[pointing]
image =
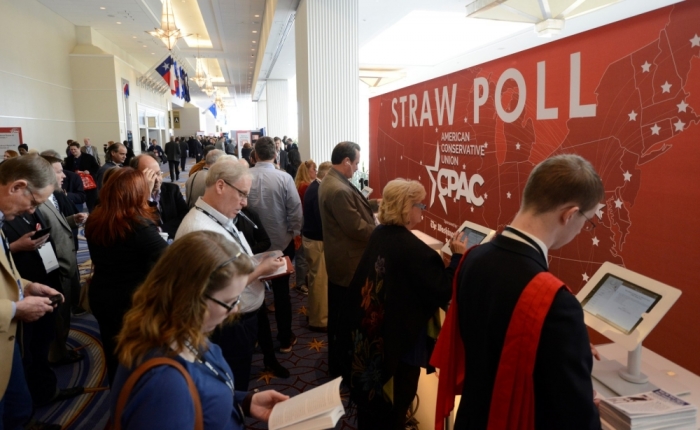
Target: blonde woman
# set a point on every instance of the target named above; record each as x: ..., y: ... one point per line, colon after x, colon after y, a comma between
x: 306, y: 174
x: 195, y: 286
x: 397, y: 289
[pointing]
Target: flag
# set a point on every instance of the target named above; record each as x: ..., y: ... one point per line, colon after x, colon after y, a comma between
x: 185, y: 85
x: 126, y: 90
x: 175, y: 88
x: 212, y: 109
x: 164, y: 69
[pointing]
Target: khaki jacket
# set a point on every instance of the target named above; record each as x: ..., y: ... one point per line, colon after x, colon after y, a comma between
x: 348, y: 223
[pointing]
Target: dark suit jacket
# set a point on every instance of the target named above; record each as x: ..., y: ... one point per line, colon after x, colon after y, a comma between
x: 490, y: 283
x: 73, y: 186
x: 183, y: 149
x: 257, y: 238
x: 29, y: 263
x: 348, y: 223
x: 172, y: 151
x: 313, y: 227
x: 284, y: 160
x: 85, y: 162
x: 173, y: 208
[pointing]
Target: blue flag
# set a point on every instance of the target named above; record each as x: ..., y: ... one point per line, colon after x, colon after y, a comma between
x: 185, y: 85
x: 164, y: 70
x: 212, y: 109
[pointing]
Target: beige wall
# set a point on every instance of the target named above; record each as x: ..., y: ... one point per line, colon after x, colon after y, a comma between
x: 190, y: 122
x: 35, y: 77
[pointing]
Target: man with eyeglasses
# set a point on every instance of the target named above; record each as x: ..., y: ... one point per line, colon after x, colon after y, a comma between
x: 276, y: 200
x: 25, y: 183
x: 164, y: 196
x: 115, y: 156
x: 226, y: 194
x: 524, y: 349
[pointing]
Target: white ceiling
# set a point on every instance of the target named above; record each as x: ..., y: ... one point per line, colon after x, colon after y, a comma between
x: 231, y: 25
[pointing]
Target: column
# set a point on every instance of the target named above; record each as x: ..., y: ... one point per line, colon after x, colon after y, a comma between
x: 277, y: 108
x: 327, y: 75
x: 261, y: 117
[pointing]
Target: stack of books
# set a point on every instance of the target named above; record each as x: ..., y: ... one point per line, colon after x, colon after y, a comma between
x: 652, y: 410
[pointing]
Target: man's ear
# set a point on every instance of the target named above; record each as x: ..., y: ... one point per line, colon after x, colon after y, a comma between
x: 18, y: 185
x: 567, y: 214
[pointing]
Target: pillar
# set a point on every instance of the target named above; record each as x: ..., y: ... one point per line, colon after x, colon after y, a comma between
x: 327, y: 68
x: 277, y: 108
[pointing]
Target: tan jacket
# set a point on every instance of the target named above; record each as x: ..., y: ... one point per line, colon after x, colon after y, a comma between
x: 8, y: 326
x: 348, y: 223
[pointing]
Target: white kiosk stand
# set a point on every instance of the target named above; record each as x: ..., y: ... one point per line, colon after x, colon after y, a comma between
x: 476, y: 234
x: 625, y: 306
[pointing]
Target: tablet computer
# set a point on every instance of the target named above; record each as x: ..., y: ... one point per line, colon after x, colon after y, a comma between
x: 474, y: 233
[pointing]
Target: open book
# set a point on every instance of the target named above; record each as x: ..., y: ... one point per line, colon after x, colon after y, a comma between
x: 286, y: 269
x: 316, y: 409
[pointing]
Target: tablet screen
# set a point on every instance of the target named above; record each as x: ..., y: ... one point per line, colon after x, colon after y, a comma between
x: 473, y: 237
x: 619, y: 303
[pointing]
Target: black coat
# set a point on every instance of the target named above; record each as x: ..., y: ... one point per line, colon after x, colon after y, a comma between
x: 257, y: 238
x: 29, y: 263
x: 73, y: 186
x: 85, y: 162
x: 491, y: 281
x: 173, y: 208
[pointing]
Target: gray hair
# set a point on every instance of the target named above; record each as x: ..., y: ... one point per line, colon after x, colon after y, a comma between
x: 51, y: 153
x: 32, y: 168
x: 228, y: 170
x: 212, y: 156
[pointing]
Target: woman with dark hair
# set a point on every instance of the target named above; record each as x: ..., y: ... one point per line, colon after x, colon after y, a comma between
x: 245, y: 151
x: 195, y: 286
x: 23, y: 148
x: 124, y: 244
x: 294, y: 161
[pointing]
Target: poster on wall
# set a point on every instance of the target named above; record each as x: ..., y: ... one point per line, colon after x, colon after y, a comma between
x: 10, y: 138
x: 242, y: 137
x: 625, y: 97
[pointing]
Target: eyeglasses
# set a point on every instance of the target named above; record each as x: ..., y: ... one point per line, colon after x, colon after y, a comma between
x: 420, y: 206
x: 241, y: 193
x: 35, y: 204
x: 229, y: 308
x: 589, y: 225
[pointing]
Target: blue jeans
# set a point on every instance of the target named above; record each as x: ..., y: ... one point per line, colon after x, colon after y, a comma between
x: 16, y: 404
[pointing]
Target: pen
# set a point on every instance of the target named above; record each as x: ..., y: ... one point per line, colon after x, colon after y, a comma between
x: 247, y: 219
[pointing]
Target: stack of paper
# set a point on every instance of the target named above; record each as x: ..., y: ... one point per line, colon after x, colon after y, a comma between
x: 652, y: 410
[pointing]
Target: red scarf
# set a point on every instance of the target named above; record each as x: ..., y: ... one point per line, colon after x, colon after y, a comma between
x: 513, y: 398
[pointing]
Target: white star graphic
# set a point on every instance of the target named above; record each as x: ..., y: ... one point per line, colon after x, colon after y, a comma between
x: 421, y: 162
x: 465, y: 119
x: 682, y: 106
x: 585, y: 277
x: 679, y: 125
x: 655, y: 129
x: 436, y: 129
x: 472, y: 208
x: 419, y: 177
x: 633, y: 116
x: 464, y: 167
x: 666, y: 87
x: 596, y: 241
x: 486, y: 196
x: 695, y: 41
x: 627, y: 176
x: 508, y: 194
x: 402, y: 157
x: 517, y: 146
x: 486, y: 145
x: 645, y: 67
x: 599, y: 211
x: 431, y: 170
x: 618, y: 203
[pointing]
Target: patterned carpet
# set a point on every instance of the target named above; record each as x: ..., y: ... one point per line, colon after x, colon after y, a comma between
x: 307, y: 363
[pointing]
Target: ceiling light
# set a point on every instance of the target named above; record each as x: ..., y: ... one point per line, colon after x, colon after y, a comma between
x: 168, y: 33
x: 208, y: 88
x: 255, y: 31
x: 102, y: 7
x: 144, y: 46
x: 255, y: 42
x: 133, y: 37
x: 257, y: 16
x: 118, y: 22
x: 153, y: 53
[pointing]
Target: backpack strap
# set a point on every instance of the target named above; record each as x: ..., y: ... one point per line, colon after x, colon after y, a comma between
x: 138, y: 373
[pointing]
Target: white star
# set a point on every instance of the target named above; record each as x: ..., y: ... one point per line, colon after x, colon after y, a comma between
x: 517, y: 146
x: 465, y: 119
x: 627, y: 175
x: 421, y: 162
x: 472, y: 208
x: 402, y: 157
x: 508, y: 194
x: 618, y: 203
x: 666, y: 88
x: 436, y: 129
x: 695, y: 41
x: 486, y: 196
x: 596, y: 241
x: 682, y: 106
x: 679, y: 125
x: 431, y: 170
x: 645, y: 67
x: 419, y: 177
x: 464, y: 167
x: 633, y: 116
x: 655, y: 129
x: 598, y: 210
x: 585, y: 277
x: 486, y: 145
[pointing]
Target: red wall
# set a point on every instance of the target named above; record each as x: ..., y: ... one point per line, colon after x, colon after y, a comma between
x: 644, y: 141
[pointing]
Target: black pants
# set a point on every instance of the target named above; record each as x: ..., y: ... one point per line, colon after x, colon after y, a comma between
x: 183, y: 161
x: 91, y: 199
x: 174, y: 166
x: 283, y: 303
x: 237, y: 342
x: 382, y: 415
x: 109, y: 317
x: 37, y: 337
x: 338, y: 337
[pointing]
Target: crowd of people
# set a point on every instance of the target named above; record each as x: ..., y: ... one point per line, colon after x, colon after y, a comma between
x: 178, y: 288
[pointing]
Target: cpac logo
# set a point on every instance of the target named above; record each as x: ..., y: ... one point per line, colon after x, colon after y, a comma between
x: 453, y: 182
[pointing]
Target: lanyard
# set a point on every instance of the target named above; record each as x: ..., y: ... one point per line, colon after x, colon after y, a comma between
x: 234, y: 235
x: 528, y: 239
x: 8, y: 254
x: 228, y: 380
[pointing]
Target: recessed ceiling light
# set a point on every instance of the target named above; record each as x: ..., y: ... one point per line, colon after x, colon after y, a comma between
x: 257, y: 16
x: 102, y: 7
x: 252, y: 49
x: 153, y: 53
x: 118, y: 22
x: 144, y: 46
x: 133, y: 37
x: 255, y: 42
x: 255, y: 31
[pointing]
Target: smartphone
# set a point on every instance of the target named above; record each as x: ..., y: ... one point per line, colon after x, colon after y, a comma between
x: 41, y: 233
x: 56, y: 299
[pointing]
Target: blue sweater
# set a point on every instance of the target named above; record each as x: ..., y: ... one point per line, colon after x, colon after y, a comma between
x: 160, y: 399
